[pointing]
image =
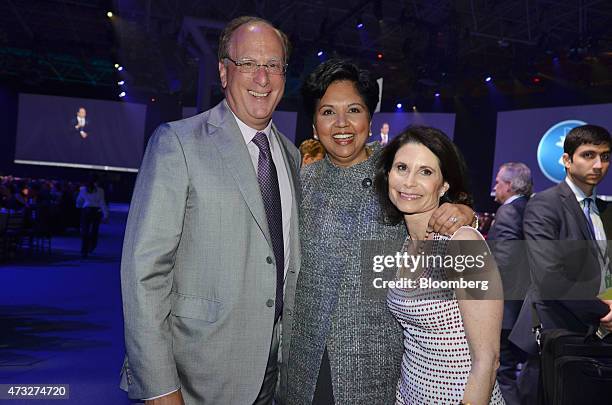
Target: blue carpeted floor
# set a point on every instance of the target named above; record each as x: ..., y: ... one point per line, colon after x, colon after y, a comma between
x: 61, y: 319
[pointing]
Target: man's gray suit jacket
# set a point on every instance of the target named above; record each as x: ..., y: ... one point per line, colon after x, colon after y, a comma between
x: 198, y: 272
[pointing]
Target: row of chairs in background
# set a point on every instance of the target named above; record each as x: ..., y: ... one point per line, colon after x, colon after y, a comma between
x: 23, y: 229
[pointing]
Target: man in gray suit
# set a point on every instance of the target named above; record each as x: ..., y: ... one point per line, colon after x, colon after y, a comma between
x: 211, y: 236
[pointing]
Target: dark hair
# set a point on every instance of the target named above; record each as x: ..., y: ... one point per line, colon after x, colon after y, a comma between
x: 232, y: 26
x: 333, y: 70
x: 451, y: 161
x: 91, y: 183
x: 592, y: 134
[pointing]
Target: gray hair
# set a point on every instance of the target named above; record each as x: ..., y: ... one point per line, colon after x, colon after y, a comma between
x: 519, y: 176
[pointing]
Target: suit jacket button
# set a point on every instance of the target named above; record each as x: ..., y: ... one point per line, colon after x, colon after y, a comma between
x: 269, y: 260
x: 270, y: 303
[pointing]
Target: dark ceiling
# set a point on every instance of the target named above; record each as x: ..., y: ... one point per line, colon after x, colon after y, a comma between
x: 426, y: 46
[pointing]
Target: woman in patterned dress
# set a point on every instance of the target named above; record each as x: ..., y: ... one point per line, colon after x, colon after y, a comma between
x: 451, y: 335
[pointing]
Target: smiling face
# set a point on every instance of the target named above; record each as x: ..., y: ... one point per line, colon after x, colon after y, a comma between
x: 588, y: 165
x: 415, y: 180
x: 342, y: 123
x: 253, y: 96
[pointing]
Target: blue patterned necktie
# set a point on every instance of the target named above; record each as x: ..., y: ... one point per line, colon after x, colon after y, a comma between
x: 270, y: 193
x: 586, y: 208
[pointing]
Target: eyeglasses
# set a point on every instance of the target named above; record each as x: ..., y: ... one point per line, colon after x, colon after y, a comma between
x: 249, y: 66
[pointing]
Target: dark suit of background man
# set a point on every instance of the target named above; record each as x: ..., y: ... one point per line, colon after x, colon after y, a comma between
x: 513, y: 186
x: 384, y: 134
x: 211, y: 240
x: 80, y: 122
x: 563, y: 271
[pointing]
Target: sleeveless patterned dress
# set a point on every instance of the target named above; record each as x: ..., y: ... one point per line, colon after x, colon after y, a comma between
x: 436, y: 360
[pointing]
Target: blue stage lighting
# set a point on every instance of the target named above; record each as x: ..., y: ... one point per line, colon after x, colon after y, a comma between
x: 320, y: 53
x: 398, y: 105
x: 122, y: 94
x: 488, y: 79
x: 121, y: 82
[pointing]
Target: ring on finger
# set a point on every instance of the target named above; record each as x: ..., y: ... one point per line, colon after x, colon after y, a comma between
x: 453, y: 219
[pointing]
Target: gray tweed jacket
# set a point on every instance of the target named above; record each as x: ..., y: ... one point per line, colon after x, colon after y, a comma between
x: 333, y: 307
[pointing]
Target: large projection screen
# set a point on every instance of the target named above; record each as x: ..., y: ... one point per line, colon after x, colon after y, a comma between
x: 535, y: 137
x: 107, y: 135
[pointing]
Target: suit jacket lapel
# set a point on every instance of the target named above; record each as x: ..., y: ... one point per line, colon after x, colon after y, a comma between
x: 605, y: 213
x: 225, y: 134
x: 290, y: 166
x: 568, y: 199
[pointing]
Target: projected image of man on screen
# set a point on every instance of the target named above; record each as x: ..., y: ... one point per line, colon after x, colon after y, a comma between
x: 80, y: 122
x: 384, y: 134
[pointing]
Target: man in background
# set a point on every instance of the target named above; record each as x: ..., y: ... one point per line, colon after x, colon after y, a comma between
x: 513, y: 186
x: 569, y: 267
x: 80, y: 122
x: 384, y: 134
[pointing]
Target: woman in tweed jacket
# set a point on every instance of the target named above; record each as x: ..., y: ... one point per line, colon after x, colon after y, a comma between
x: 346, y: 347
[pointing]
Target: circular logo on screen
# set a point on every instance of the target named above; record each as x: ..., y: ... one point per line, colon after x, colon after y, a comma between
x: 550, y: 149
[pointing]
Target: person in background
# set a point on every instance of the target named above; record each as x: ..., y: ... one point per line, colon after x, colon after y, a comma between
x: 384, y: 134
x: 19, y: 196
x: 569, y: 266
x: 312, y: 151
x: 513, y: 185
x: 93, y: 209
x: 80, y: 122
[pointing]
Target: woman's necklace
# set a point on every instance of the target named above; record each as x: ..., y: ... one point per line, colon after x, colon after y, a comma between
x: 420, y: 243
x: 423, y: 242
